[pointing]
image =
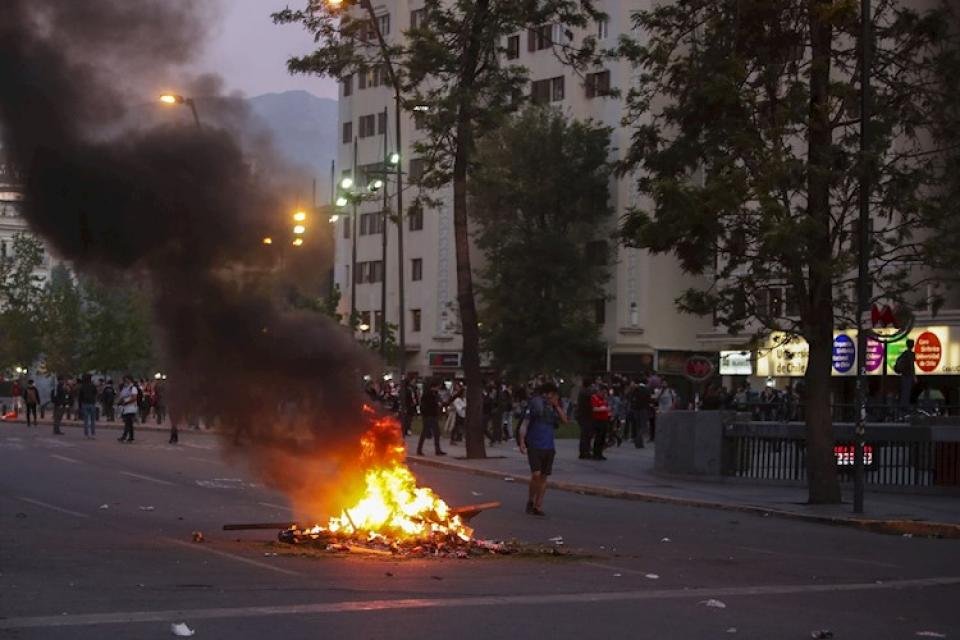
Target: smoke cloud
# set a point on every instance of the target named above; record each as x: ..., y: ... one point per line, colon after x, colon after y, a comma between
x: 183, y: 210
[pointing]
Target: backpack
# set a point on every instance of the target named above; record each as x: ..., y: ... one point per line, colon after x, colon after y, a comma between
x: 32, y: 396
x: 900, y: 366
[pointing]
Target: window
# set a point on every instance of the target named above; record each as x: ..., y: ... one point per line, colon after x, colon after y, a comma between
x: 377, y: 320
x: 598, y: 84
x: 419, y: 120
x: 346, y: 227
x: 415, y: 319
x: 370, y: 272
x: 347, y: 132
x: 415, y: 171
x: 596, y: 252
x: 416, y: 269
x: 384, y: 22
x: 556, y: 89
x: 539, y: 38
x: 346, y: 274
x: 416, y: 18
x: 603, y: 28
x: 376, y: 271
x: 513, y: 47
x: 367, y: 125
x: 792, y: 309
x: 347, y: 86
x: 415, y: 219
x: 381, y: 123
x: 362, y: 79
x: 371, y: 223
x: 600, y: 310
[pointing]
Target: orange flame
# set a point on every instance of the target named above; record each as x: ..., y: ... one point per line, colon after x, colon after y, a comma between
x: 392, y: 507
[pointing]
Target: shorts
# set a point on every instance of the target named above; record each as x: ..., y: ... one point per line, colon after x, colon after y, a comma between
x: 541, y: 460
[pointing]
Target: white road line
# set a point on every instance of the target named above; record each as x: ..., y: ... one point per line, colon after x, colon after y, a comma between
x: 353, y: 606
x: 53, y: 507
x: 64, y: 458
x: 275, y: 506
x: 232, y: 556
x: 147, y: 478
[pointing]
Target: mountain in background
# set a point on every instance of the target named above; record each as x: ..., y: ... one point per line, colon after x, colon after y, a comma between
x: 304, y: 129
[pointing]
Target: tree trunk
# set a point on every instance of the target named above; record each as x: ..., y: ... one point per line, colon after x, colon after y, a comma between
x: 823, y: 484
x: 465, y: 298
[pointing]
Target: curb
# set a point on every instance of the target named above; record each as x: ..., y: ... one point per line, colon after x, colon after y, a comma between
x: 919, y: 528
x: 112, y: 426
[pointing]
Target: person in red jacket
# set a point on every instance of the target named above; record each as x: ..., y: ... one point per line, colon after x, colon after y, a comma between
x: 601, y: 420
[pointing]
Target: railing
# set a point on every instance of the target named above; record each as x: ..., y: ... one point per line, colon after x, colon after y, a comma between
x: 919, y: 455
x: 781, y: 411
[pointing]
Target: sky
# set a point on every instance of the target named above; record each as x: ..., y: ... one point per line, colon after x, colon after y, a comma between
x: 250, y: 52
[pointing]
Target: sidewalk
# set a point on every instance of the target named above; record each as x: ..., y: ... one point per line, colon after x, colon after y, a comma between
x: 46, y: 423
x: 628, y: 474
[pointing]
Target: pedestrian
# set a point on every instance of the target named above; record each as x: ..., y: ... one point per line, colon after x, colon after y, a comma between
x: 666, y: 402
x: 585, y: 417
x: 58, y: 399
x: 31, y: 398
x: 87, y: 400
x: 544, y: 414
x: 430, y: 413
x: 459, y: 404
x: 408, y: 399
x: 107, y: 397
x: 129, y: 401
x: 17, y: 393
x: 159, y: 401
x: 905, y: 367
x: 640, y: 399
x: 601, y: 420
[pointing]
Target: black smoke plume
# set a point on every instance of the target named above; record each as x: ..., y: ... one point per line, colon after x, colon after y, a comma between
x: 183, y: 211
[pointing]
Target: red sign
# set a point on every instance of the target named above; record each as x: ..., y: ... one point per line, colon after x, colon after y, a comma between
x: 845, y: 458
x: 929, y: 351
x: 698, y: 368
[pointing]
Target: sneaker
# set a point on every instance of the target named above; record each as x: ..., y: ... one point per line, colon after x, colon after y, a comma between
x: 537, y: 512
x: 530, y: 508
x: 441, y: 453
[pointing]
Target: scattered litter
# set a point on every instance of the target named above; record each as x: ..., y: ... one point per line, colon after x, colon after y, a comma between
x: 476, y: 493
x: 602, y: 547
x: 147, y: 508
x: 557, y: 540
x: 665, y: 540
x: 181, y: 629
x: 388, y: 574
x: 104, y: 506
x: 436, y: 578
x: 618, y: 575
x: 930, y: 634
x: 908, y: 535
x: 509, y: 479
x: 270, y: 555
x: 198, y: 536
x: 732, y: 630
x: 821, y: 634
x: 716, y: 604
x: 651, y: 576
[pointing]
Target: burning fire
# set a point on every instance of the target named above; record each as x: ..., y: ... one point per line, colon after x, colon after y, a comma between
x: 392, y: 507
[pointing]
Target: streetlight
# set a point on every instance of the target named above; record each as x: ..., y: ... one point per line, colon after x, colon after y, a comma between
x: 297, y: 242
x: 299, y: 230
x: 173, y: 98
x: 268, y: 240
x: 299, y: 216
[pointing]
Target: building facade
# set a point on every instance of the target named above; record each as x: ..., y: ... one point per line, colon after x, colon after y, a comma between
x: 12, y: 221
x: 639, y: 322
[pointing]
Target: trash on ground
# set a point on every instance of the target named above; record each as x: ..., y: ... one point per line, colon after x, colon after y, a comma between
x: 732, y: 630
x: 104, y: 506
x: 476, y: 493
x: 270, y: 555
x: 930, y: 634
x: 821, y: 634
x: 908, y: 535
x: 665, y: 540
x: 651, y: 576
x: 557, y: 540
x: 716, y: 604
x: 181, y: 629
x: 509, y: 479
x: 618, y: 575
x: 149, y: 508
x: 198, y: 536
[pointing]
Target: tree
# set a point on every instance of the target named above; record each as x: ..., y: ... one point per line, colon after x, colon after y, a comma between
x: 746, y: 134
x: 115, y: 328
x: 453, y: 63
x: 540, y: 201
x: 21, y: 287
x: 61, y: 323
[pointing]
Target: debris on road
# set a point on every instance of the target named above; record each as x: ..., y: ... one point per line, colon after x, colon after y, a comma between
x: 476, y: 493
x: 821, y: 634
x: 665, y: 540
x: 149, y: 508
x: 104, y: 506
x: 715, y: 604
x: 198, y: 536
x: 732, y: 630
x: 908, y: 535
x: 557, y: 540
x: 181, y: 629
x: 651, y: 576
x: 930, y: 634
x: 509, y: 479
x: 618, y: 575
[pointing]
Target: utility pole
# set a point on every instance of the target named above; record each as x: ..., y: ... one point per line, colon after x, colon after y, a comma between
x: 353, y: 252
x: 863, y: 273
x: 383, y: 217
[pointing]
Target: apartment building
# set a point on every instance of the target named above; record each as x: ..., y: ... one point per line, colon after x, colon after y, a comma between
x: 11, y: 218
x: 638, y: 319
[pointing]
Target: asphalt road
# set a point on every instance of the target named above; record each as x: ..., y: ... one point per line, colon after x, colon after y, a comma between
x: 72, y: 569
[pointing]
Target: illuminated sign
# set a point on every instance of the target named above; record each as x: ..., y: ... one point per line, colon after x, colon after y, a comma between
x: 844, y: 354
x: 444, y: 359
x: 736, y: 363
x: 845, y: 456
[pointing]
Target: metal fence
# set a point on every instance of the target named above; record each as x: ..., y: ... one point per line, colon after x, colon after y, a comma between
x: 781, y: 411
x: 894, y: 455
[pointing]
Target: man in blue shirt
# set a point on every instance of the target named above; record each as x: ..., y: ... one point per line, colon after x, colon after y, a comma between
x: 544, y: 414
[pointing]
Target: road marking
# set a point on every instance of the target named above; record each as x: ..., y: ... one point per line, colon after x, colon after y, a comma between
x: 275, y: 506
x: 784, y: 554
x: 147, y: 478
x: 64, y: 458
x: 232, y: 556
x: 613, y: 568
x: 53, y: 507
x: 77, y: 620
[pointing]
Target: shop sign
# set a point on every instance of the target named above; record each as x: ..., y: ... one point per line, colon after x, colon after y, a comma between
x: 736, y: 363
x: 929, y: 351
x: 874, y: 355
x: 444, y: 359
x: 844, y: 354
x: 698, y: 368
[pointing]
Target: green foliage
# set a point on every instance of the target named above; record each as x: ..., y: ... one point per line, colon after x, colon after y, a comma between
x: 318, y: 304
x: 540, y: 201
x: 62, y: 313
x: 20, y: 293
x: 752, y: 187
x: 116, y: 327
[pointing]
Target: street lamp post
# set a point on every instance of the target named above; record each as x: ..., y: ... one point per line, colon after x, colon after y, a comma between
x: 863, y: 273
x: 172, y: 98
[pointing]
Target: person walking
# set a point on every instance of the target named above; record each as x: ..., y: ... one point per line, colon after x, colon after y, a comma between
x: 906, y: 367
x: 58, y: 398
x: 640, y: 399
x: 430, y: 413
x: 31, y: 398
x: 601, y: 420
x: 108, y: 396
x: 129, y: 401
x: 544, y: 414
x: 585, y: 417
x: 87, y: 399
x: 408, y: 398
